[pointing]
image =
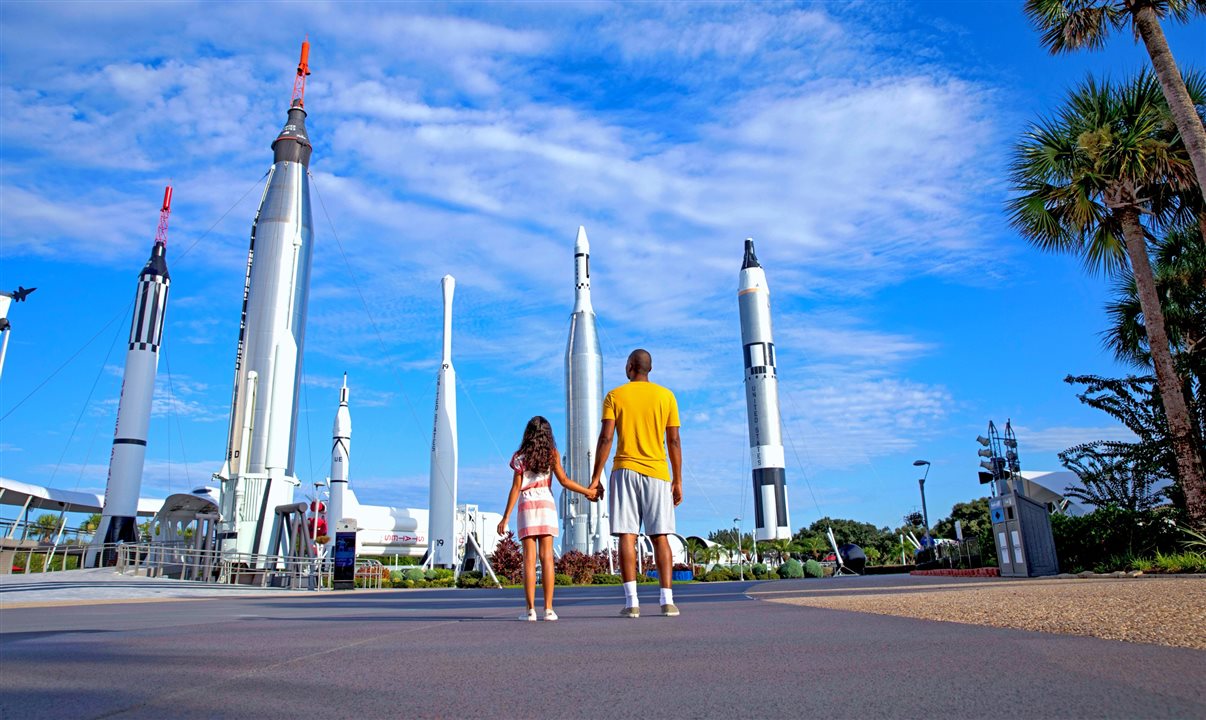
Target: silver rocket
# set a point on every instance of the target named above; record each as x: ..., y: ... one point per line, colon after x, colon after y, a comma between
x: 585, y: 523
x: 441, y: 532
x: 762, y: 401
x: 119, y: 513
x: 341, y: 453
x: 258, y: 474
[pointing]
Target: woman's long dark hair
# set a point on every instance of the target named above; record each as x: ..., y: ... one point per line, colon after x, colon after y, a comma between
x: 535, y: 453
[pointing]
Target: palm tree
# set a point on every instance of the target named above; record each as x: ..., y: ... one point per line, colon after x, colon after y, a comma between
x: 779, y: 547
x: 1086, y: 180
x: 46, y: 526
x: 1067, y: 25
x: 91, y: 523
x: 1180, y: 273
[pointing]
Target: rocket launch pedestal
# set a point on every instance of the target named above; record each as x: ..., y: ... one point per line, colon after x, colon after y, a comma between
x: 258, y: 475
x: 586, y: 523
x: 762, y: 401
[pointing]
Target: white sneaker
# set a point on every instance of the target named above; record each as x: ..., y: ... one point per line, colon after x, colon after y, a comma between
x: 549, y: 615
x: 529, y: 616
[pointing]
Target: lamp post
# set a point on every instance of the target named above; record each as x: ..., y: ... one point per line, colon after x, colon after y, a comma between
x: 737, y: 532
x: 925, y: 516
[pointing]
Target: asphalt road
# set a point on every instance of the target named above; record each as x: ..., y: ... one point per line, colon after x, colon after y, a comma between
x: 444, y: 653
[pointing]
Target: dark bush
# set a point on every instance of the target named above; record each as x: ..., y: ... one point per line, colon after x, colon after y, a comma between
x: 1096, y: 540
x: 470, y: 579
x: 582, y: 567
x: 606, y: 579
x: 758, y: 569
x: 562, y: 579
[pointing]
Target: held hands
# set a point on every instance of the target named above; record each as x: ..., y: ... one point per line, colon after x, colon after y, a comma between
x: 594, y: 493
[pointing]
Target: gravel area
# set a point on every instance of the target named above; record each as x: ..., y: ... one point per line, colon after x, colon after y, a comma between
x: 1168, y: 611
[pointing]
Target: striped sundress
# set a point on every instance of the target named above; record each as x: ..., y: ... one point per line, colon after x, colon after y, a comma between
x: 537, y: 508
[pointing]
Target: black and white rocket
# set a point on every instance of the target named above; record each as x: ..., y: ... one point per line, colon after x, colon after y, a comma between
x: 586, y: 523
x: 341, y: 453
x: 762, y: 401
x: 119, y: 514
x: 258, y: 474
x: 443, y: 550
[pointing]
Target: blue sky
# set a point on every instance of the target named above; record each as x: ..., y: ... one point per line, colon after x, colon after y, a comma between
x: 862, y: 145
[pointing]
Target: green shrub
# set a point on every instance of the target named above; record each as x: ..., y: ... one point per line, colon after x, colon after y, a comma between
x: 813, y: 569
x: 415, y: 574
x: 792, y: 569
x: 562, y: 579
x: 606, y: 579
x: 470, y: 579
x: 758, y: 568
x: 397, y: 577
x: 718, y: 574
x: 1089, y: 541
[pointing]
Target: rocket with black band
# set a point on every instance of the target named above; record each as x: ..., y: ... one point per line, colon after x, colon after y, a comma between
x: 119, y: 512
x: 762, y: 401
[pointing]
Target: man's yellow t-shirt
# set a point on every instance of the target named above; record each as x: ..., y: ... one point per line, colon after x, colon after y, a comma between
x: 642, y: 411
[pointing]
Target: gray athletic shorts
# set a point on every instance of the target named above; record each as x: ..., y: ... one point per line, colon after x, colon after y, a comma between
x: 634, y: 499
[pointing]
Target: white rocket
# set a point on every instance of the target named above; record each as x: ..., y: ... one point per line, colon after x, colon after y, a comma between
x: 341, y: 452
x: 586, y: 523
x: 258, y: 474
x: 442, y: 536
x: 119, y: 514
x: 762, y: 401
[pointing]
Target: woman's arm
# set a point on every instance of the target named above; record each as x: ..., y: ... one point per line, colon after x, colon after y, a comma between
x: 568, y: 484
x: 516, y: 482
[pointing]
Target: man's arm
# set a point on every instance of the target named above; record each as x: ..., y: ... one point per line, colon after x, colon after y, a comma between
x: 602, y: 451
x: 674, y: 448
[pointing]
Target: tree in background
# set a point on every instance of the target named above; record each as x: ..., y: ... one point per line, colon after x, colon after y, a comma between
x: 91, y: 523
x: 1068, y: 25
x: 1086, y: 180
x: 46, y: 526
x: 973, y: 517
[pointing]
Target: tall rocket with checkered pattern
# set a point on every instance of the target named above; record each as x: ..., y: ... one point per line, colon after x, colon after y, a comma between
x: 762, y: 401
x: 119, y: 513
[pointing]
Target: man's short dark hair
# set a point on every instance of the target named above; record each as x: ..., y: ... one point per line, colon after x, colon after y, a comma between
x: 640, y: 361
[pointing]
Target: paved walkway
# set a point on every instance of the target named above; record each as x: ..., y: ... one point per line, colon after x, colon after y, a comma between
x: 448, y: 653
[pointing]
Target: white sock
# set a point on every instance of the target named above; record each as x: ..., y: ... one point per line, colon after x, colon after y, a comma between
x: 630, y: 598
x: 667, y: 596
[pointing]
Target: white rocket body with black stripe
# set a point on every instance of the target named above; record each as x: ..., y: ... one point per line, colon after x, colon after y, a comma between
x: 441, y: 532
x: 762, y: 402
x: 258, y: 475
x: 119, y: 513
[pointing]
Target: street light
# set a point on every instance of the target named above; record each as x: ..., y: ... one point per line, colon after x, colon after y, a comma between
x: 737, y: 531
x: 925, y: 517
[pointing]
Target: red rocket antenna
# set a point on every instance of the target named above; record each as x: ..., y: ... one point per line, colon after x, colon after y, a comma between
x: 161, y: 233
x: 303, y: 69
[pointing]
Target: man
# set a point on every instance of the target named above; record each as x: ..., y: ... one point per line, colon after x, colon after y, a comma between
x: 642, y: 491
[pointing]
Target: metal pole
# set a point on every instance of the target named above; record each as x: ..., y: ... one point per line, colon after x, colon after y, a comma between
x: 737, y: 530
x: 4, y: 349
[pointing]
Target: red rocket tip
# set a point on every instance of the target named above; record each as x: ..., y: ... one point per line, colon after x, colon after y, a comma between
x: 303, y: 69
x: 164, y: 212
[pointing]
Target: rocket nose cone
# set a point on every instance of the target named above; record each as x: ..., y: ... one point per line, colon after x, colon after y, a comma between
x: 581, y: 244
x: 751, y: 260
